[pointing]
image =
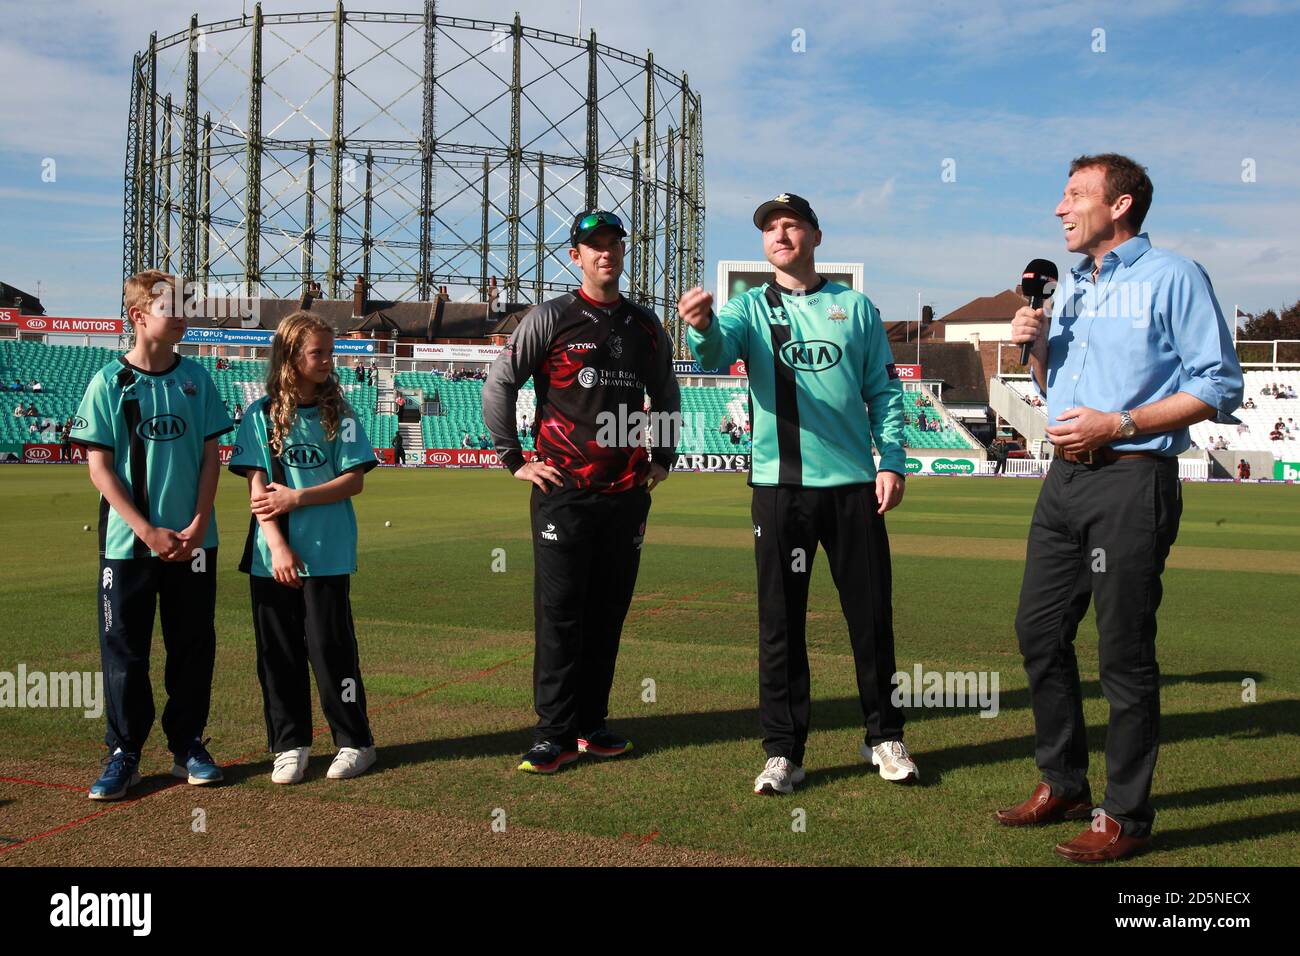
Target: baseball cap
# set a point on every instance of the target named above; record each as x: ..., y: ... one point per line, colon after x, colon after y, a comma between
x: 790, y: 203
x: 588, y: 222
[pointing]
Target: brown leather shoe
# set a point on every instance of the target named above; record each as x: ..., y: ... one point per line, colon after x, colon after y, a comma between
x: 1098, y: 846
x: 1042, y: 807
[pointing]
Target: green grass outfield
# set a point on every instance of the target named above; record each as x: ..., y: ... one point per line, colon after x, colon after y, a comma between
x: 446, y: 650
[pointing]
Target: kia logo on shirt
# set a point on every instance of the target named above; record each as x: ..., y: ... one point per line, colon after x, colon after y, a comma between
x: 161, y: 428
x: 303, y: 456
x: 814, y: 355
x: 79, y: 422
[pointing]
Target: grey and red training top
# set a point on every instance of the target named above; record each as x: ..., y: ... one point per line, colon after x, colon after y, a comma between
x: 592, y: 364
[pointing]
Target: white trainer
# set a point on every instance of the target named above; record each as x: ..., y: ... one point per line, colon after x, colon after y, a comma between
x: 779, y: 776
x: 290, y: 765
x: 351, y: 762
x: 894, y: 761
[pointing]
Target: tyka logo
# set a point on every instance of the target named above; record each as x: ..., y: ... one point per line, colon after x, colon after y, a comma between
x: 161, y: 428
x: 814, y: 355
x: 549, y: 534
x: 303, y: 456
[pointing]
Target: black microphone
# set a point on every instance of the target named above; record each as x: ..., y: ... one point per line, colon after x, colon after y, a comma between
x: 1038, y: 282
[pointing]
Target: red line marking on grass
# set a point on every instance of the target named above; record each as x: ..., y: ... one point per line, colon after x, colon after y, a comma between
x: 90, y: 816
x: 648, y: 838
x: 455, y: 680
x: 42, y: 783
x: 239, y: 760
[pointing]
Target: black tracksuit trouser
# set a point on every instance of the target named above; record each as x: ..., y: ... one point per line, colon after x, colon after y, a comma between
x: 295, y: 626
x: 586, y: 554
x: 788, y: 524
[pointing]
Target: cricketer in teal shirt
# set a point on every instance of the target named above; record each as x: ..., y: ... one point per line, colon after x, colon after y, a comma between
x: 812, y: 363
x: 155, y: 424
x: 323, y: 536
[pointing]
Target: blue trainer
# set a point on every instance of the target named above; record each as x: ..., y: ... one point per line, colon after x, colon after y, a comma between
x: 198, y: 766
x: 121, y: 770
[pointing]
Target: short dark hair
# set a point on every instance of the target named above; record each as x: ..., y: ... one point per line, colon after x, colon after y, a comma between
x: 1124, y: 177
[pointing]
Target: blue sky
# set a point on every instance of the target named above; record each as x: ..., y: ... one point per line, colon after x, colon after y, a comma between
x: 860, y: 123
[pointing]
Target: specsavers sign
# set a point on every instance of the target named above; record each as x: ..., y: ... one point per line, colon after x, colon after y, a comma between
x: 942, y: 466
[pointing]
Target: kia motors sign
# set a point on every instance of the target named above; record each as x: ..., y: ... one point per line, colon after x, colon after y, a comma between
x: 464, y: 457
x: 57, y: 325
x: 908, y: 373
x: 8, y: 315
x: 40, y: 454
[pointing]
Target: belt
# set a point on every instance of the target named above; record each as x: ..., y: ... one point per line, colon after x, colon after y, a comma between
x: 1104, y: 456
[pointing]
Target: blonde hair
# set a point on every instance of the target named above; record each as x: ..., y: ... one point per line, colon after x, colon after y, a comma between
x: 139, y: 291
x: 282, y: 381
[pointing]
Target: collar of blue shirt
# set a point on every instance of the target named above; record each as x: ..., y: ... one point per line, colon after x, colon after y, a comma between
x: 1127, y: 252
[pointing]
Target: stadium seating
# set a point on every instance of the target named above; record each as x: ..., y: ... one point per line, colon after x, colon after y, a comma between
x: 64, y: 371
x: 915, y: 437
x: 1259, y: 420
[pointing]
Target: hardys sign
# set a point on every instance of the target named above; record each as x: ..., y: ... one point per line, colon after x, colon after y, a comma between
x: 699, y: 462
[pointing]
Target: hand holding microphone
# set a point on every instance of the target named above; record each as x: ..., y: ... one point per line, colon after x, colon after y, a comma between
x: 1038, y: 282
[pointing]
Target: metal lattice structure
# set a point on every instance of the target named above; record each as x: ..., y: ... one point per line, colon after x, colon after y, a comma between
x: 270, y: 151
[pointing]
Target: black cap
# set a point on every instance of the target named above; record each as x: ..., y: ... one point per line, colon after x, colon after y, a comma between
x: 789, y: 202
x: 588, y: 222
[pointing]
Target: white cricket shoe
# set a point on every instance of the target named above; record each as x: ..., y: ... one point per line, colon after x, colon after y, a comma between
x: 894, y: 761
x: 779, y: 776
x: 290, y: 765
x: 351, y: 762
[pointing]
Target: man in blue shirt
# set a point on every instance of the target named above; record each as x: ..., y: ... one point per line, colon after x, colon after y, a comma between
x: 1136, y: 351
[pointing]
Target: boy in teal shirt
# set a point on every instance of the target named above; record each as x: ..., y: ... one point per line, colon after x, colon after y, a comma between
x: 150, y: 421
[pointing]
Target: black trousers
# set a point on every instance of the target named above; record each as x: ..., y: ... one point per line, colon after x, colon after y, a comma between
x: 788, y: 524
x: 130, y: 590
x: 586, y: 553
x: 1099, y: 532
x: 313, y: 624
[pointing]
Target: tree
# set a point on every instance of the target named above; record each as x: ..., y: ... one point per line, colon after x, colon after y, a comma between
x: 1267, y: 326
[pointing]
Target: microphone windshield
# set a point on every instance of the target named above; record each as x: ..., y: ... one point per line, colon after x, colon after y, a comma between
x: 1039, y: 279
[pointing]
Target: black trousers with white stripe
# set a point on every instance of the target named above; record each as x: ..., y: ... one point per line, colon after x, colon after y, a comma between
x: 789, y: 522
x: 185, y: 592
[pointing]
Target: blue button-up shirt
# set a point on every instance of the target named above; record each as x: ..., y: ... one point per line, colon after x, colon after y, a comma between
x: 1147, y: 328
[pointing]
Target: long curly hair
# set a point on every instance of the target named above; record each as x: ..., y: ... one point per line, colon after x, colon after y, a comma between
x: 282, y: 381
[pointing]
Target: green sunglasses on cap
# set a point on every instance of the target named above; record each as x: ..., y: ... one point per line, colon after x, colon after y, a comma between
x: 585, y: 225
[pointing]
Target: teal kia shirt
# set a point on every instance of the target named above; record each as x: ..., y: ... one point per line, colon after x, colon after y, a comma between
x: 155, y: 424
x: 323, y: 536
x: 812, y: 363
x: 1148, y: 328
